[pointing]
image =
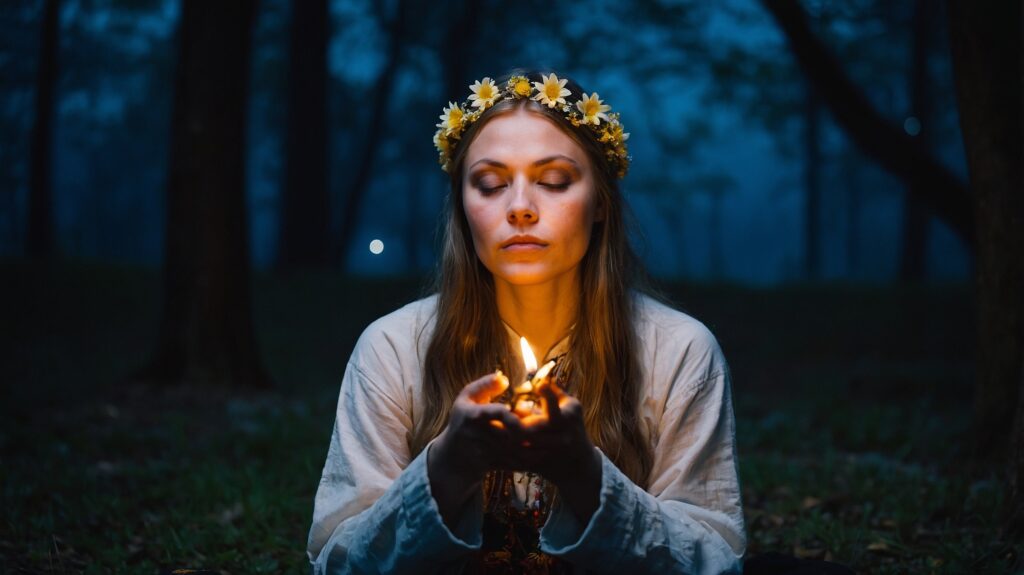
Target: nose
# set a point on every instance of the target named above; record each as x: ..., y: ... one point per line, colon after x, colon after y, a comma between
x: 521, y: 209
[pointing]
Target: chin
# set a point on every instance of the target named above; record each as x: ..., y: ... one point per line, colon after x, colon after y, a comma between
x: 525, y: 275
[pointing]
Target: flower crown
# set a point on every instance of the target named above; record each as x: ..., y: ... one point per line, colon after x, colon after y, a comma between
x: 590, y: 112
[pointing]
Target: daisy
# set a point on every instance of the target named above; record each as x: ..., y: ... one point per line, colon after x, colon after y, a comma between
x: 552, y: 91
x: 484, y: 93
x: 519, y: 86
x: 451, y: 119
x: 593, y: 109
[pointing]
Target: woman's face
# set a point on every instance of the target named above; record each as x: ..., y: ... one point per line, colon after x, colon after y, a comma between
x: 528, y: 192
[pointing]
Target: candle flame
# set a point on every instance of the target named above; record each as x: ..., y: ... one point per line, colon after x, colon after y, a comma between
x: 543, y: 372
x: 529, y: 360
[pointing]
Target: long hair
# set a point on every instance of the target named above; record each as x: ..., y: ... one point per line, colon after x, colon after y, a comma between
x: 470, y: 340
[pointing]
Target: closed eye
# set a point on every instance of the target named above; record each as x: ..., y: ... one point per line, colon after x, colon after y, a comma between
x: 488, y: 184
x: 555, y: 185
x: 488, y: 190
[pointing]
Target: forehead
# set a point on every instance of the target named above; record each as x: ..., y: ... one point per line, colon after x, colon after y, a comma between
x: 521, y: 137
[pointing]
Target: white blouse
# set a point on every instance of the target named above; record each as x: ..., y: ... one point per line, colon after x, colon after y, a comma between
x: 374, y: 512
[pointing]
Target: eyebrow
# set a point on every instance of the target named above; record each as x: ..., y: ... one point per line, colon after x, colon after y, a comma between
x: 539, y: 162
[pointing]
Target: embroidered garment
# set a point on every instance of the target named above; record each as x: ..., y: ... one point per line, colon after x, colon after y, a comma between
x: 374, y: 512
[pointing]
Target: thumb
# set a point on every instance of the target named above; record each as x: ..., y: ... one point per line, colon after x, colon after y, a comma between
x: 486, y: 388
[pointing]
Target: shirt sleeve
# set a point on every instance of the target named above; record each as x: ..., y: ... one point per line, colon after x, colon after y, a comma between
x: 374, y: 512
x: 690, y: 519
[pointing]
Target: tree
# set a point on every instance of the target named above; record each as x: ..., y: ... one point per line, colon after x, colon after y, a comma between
x: 879, y: 139
x: 988, y: 55
x: 987, y: 58
x: 812, y: 183
x: 914, y: 255
x: 305, y: 208
x: 40, y: 240
x: 395, y: 24
x: 206, y: 333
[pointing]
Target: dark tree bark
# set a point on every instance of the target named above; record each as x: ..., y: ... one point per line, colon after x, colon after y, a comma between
x: 812, y: 184
x: 39, y: 242
x: 914, y: 255
x: 305, y: 229
x: 370, y: 144
x: 988, y: 69
x: 206, y: 334
x: 877, y: 138
x: 852, y: 184
x: 1016, y: 523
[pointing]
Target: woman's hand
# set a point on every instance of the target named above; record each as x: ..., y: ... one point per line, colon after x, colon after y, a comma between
x: 479, y: 436
x: 555, y: 444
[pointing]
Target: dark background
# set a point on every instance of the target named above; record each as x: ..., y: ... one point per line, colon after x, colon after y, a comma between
x: 189, y: 191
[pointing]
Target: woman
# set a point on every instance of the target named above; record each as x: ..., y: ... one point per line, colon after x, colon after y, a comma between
x: 627, y: 466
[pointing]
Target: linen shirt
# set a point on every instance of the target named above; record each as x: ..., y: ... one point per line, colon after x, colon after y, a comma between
x: 374, y: 512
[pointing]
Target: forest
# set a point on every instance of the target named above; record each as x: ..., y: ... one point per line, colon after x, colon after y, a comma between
x: 203, y: 204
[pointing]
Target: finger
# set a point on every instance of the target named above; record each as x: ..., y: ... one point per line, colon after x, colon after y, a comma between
x: 498, y: 416
x: 551, y: 399
x: 568, y: 404
x: 487, y: 387
x: 533, y: 420
x: 556, y: 388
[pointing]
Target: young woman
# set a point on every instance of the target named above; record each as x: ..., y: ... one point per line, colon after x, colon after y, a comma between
x: 627, y: 465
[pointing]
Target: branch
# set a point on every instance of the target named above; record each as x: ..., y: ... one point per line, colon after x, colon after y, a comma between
x: 877, y: 138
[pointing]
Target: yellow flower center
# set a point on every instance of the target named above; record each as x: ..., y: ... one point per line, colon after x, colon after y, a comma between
x: 552, y: 90
x: 523, y: 88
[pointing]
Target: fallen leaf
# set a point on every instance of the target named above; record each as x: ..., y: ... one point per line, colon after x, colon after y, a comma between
x: 878, y: 546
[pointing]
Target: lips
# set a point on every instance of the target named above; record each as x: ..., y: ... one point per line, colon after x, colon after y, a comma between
x: 523, y: 242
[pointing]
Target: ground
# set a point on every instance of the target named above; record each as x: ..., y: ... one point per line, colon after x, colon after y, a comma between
x: 852, y: 408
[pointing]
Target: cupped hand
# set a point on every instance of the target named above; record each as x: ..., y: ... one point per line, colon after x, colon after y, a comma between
x: 479, y: 433
x: 554, y: 442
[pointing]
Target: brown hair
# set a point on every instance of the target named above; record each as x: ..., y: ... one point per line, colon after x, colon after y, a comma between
x: 470, y: 340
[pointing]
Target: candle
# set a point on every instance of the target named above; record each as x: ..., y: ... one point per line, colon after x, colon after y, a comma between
x: 525, y: 399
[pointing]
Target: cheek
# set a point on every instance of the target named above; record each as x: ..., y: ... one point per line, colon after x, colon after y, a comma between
x: 479, y: 222
x: 578, y: 219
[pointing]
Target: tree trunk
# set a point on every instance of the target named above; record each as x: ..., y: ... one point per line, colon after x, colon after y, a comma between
x: 370, y: 144
x: 812, y: 184
x: 852, y: 185
x: 987, y: 61
x: 1016, y: 525
x: 914, y: 255
x: 39, y: 242
x: 305, y: 230
x: 879, y: 139
x: 206, y: 334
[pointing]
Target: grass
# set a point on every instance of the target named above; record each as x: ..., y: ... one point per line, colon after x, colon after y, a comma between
x: 852, y: 408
